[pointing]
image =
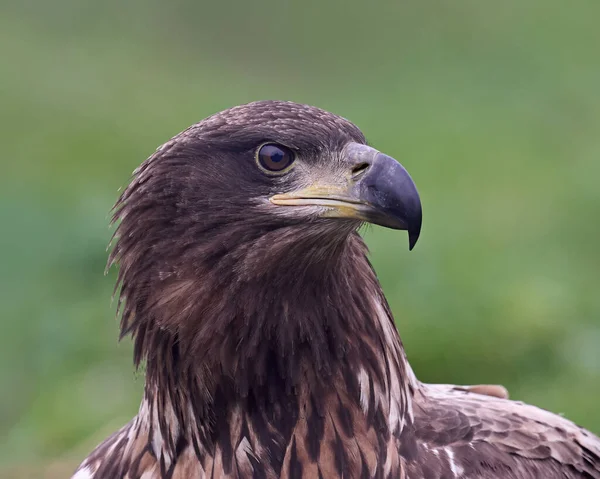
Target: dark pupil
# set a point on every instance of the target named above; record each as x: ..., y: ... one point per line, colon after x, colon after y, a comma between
x: 274, y: 158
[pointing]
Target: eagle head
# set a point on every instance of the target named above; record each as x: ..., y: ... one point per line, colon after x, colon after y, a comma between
x: 245, y: 220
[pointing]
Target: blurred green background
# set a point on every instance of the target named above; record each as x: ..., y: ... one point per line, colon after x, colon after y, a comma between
x: 494, y: 108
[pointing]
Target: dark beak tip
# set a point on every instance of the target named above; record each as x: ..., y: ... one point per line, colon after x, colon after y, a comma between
x: 414, y: 225
x: 413, y: 236
x: 412, y: 240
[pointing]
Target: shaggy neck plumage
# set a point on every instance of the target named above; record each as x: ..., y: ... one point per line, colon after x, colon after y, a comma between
x: 262, y: 325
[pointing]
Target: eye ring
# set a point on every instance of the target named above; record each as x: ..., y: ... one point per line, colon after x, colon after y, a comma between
x: 274, y: 159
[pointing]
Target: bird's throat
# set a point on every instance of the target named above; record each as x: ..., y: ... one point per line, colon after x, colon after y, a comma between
x: 324, y: 343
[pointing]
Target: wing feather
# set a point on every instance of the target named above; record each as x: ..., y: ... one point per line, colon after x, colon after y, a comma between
x: 477, y: 435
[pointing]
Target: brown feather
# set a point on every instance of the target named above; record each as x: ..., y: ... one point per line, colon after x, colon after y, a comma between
x: 270, y: 349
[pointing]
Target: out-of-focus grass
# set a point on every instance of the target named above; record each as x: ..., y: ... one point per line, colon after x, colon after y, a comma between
x: 493, y: 108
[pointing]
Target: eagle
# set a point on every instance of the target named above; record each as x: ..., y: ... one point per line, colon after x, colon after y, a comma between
x: 269, y: 348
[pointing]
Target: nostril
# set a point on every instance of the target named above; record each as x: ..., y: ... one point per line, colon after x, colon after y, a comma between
x: 359, y: 169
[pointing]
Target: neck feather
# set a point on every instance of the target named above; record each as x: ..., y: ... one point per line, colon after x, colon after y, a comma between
x: 245, y: 331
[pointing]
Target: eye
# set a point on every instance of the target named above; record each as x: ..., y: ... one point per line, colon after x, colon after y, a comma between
x: 274, y: 158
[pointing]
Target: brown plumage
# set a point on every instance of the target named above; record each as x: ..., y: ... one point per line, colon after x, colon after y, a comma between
x: 270, y: 349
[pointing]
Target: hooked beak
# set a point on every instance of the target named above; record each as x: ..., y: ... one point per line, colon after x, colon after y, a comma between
x: 378, y: 190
